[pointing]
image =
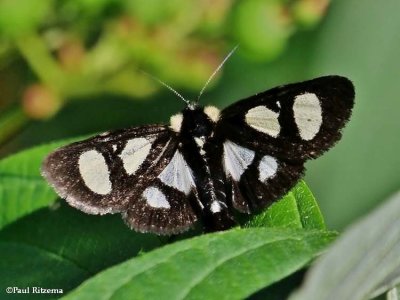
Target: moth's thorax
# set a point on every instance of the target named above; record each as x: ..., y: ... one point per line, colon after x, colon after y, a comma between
x: 195, y: 121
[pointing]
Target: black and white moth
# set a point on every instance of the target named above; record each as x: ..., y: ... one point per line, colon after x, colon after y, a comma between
x: 206, y: 163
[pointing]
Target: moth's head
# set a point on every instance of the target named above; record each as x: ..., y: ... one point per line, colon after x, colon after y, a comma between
x: 195, y: 120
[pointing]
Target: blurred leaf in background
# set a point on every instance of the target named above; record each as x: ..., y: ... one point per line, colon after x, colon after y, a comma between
x: 359, y: 265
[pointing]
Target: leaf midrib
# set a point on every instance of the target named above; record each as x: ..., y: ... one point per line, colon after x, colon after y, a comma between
x: 51, y: 254
x: 207, y: 272
x: 226, y: 259
x: 22, y: 177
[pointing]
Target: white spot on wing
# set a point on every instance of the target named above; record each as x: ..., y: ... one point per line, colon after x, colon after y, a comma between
x: 176, y: 122
x: 308, y: 115
x: 236, y: 159
x: 134, y: 154
x: 178, y: 174
x: 94, y: 171
x: 212, y: 112
x: 215, y: 207
x: 155, y: 198
x: 267, y: 168
x: 263, y: 119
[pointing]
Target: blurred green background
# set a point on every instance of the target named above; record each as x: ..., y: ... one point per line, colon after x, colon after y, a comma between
x: 71, y: 68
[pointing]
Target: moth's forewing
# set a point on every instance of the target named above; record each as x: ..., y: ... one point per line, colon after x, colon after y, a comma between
x: 292, y: 122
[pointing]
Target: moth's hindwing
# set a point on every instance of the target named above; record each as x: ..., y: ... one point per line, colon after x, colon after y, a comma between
x: 118, y: 172
x: 293, y: 122
x: 162, y: 209
x: 255, y: 180
x: 166, y: 204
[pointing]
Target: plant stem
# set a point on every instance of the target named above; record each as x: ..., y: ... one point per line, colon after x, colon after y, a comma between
x: 11, y: 122
x: 40, y: 60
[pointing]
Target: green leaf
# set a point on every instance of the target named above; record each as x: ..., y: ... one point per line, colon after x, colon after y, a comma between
x: 298, y: 209
x: 26, y: 266
x: 22, y: 188
x: 281, y: 289
x: 227, y: 265
x: 59, y: 247
x: 360, y: 261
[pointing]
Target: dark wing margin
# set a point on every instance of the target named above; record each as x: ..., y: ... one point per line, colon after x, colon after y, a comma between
x: 97, y: 175
x: 293, y: 122
x: 121, y: 171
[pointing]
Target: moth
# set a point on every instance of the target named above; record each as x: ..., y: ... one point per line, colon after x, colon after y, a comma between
x: 207, y: 164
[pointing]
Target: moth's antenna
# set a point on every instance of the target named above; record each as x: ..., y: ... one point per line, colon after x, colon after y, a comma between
x: 216, y: 71
x: 167, y: 86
